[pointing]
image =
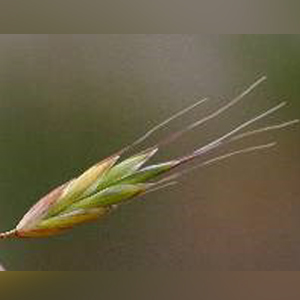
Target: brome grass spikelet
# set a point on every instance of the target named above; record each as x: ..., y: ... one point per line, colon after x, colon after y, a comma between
x: 111, y: 182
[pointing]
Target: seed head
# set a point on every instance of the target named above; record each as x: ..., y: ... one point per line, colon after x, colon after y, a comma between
x: 109, y: 183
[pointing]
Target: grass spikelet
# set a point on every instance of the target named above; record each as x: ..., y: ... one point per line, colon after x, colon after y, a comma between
x: 93, y: 194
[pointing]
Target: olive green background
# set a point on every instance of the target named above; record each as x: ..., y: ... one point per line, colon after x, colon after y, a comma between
x: 148, y: 285
x: 94, y: 16
x: 67, y: 101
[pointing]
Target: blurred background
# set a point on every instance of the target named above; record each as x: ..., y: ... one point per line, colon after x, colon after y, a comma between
x: 67, y: 101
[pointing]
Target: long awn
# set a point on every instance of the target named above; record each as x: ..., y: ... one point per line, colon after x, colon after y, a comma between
x: 109, y: 183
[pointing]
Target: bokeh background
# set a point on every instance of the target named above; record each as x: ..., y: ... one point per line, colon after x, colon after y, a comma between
x: 67, y: 101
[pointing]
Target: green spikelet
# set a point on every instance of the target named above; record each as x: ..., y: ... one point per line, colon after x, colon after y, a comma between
x: 125, y: 168
x: 93, y: 194
x: 90, y: 196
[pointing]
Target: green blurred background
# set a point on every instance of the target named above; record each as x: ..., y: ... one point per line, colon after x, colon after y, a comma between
x: 67, y: 101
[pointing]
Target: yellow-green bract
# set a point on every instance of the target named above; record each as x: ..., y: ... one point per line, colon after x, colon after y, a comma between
x: 90, y: 196
x: 93, y: 194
